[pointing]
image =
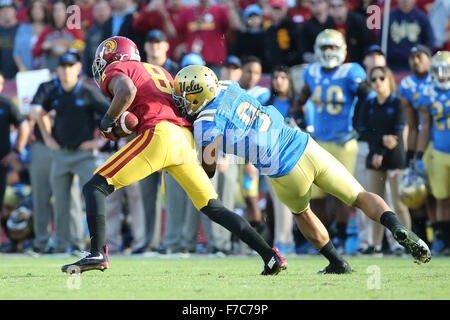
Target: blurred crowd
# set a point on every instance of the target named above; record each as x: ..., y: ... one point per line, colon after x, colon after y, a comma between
x: 265, y: 45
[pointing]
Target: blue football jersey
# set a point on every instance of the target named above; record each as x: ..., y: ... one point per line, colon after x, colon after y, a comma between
x: 261, y: 94
x: 333, y: 99
x: 250, y: 130
x: 438, y: 103
x: 411, y: 88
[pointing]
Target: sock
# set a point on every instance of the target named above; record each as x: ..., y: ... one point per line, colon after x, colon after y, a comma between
x: 390, y: 220
x: 239, y: 226
x: 95, y: 192
x: 329, y: 252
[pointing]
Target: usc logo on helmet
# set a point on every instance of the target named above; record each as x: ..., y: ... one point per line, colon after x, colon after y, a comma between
x: 109, y: 46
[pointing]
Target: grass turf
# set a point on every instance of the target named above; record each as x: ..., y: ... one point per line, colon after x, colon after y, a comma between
x: 231, y: 278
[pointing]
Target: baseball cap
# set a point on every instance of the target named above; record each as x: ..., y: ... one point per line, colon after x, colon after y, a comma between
x: 374, y: 49
x: 156, y: 35
x: 277, y: 3
x: 252, y: 9
x: 69, y: 58
x: 420, y: 48
x: 232, y: 61
x: 192, y: 59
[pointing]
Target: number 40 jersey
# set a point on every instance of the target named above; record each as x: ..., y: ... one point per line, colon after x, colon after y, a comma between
x: 250, y: 130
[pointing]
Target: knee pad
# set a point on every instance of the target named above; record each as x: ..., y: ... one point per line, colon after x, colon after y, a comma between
x: 98, y: 183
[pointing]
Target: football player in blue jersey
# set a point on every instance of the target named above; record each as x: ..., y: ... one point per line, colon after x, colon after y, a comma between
x: 409, y: 90
x: 330, y: 88
x: 225, y: 117
x: 434, y: 107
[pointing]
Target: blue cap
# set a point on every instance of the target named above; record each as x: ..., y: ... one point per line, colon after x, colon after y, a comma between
x: 252, y: 9
x: 374, y: 48
x: 156, y: 35
x: 192, y: 59
x: 232, y: 61
x: 69, y: 58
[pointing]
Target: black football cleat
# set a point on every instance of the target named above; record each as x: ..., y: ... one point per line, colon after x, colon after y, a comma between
x: 275, y: 264
x: 413, y: 244
x: 97, y: 261
x: 336, y: 269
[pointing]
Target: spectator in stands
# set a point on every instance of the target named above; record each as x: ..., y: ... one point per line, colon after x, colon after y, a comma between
x: 87, y: 16
x: 374, y: 58
x: 156, y: 47
x: 8, y: 29
x: 121, y: 23
x: 382, y: 125
x: 319, y: 21
x: 72, y: 142
x: 10, y: 116
x: 282, y: 38
x: 250, y: 40
x: 56, y: 39
x: 408, y: 26
x: 28, y: 34
x: 156, y: 15
x: 94, y: 35
x: 353, y: 27
x: 232, y: 69
x: 205, y: 26
x: 440, y: 13
x: 301, y: 12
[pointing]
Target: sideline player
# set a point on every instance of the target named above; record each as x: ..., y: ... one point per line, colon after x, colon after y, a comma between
x: 164, y: 141
x: 228, y: 118
x: 331, y: 87
x: 434, y: 107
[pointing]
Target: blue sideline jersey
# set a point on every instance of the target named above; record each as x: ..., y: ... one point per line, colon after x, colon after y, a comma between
x: 333, y: 99
x: 411, y: 88
x: 250, y: 130
x: 438, y: 104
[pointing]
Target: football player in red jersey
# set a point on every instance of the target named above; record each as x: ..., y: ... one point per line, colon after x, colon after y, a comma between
x: 164, y: 141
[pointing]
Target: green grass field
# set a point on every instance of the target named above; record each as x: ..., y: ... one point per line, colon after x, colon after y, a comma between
x: 230, y: 278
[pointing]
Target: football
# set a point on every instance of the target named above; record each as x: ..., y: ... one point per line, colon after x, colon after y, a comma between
x: 125, y: 125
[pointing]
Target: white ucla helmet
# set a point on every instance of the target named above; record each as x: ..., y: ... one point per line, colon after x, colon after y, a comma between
x: 330, y: 58
x: 440, y: 70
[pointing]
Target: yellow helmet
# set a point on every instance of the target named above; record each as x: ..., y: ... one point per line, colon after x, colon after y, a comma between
x: 330, y: 58
x: 440, y: 70
x: 193, y: 88
x: 413, y: 190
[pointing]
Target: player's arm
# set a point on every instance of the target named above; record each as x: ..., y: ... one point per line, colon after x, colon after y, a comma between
x: 209, y: 156
x: 305, y: 93
x: 123, y: 91
x: 412, y: 121
x: 424, y: 134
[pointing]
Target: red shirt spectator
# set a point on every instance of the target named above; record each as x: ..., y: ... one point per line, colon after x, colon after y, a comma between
x: 156, y: 15
x: 301, y: 12
x: 205, y: 27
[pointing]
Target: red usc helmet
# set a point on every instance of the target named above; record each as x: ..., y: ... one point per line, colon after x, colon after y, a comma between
x: 110, y: 50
